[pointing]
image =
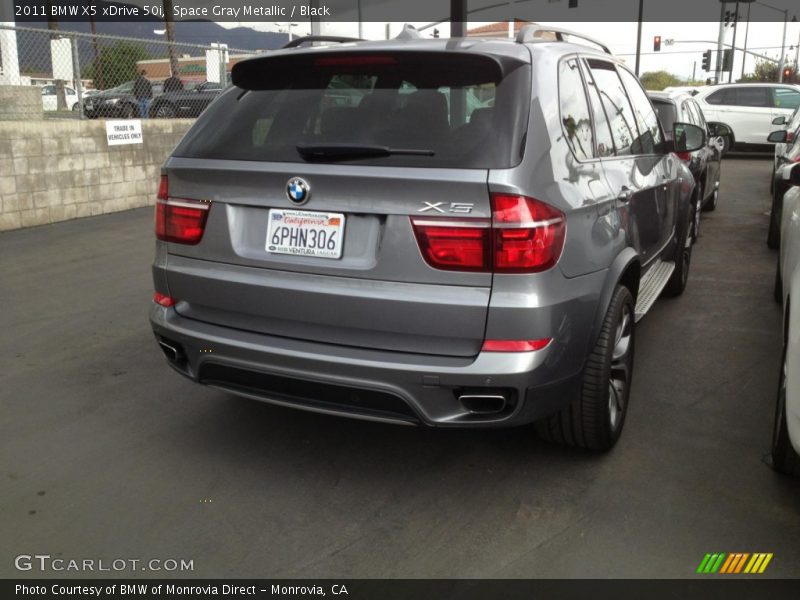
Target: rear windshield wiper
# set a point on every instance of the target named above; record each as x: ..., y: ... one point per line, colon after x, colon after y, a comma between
x: 350, y: 151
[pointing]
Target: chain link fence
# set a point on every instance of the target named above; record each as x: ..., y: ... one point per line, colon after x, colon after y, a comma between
x: 82, y: 75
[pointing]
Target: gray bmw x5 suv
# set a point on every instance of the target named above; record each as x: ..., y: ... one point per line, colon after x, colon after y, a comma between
x: 453, y: 233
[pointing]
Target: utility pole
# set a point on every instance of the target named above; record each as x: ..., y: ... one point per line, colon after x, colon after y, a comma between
x: 169, y: 25
x: 52, y: 25
x: 733, y: 44
x: 720, y: 42
x: 746, y: 31
x: 783, y: 46
x: 639, y: 37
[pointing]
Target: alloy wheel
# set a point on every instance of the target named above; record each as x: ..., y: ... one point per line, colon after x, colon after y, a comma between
x: 620, y: 377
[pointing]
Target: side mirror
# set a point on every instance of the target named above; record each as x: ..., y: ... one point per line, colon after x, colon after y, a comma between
x: 687, y: 137
x: 777, y: 137
x: 794, y: 175
x: 719, y: 129
x: 779, y: 121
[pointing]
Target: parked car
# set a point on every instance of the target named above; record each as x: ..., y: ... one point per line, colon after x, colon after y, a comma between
x: 790, y: 125
x: 409, y: 261
x: 786, y: 432
x: 748, y: 108
x: 781, y: 182
x: 703, y: 163
x: 117, y: 102
x: 50, y: 99
x: 188, y: 102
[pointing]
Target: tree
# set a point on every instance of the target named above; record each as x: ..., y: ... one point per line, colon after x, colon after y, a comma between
x: 117, y: 63
x: 765, y: 71
x: 658, y: 80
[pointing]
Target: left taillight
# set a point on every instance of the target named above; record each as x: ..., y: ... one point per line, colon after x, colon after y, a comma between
x: 179, y: 220
x: 164, y: 300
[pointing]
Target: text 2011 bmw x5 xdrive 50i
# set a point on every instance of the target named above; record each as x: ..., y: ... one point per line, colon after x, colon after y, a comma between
x: 445, y: 232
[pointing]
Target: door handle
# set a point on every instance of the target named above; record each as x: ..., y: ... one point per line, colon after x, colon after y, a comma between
x: 625, y: 194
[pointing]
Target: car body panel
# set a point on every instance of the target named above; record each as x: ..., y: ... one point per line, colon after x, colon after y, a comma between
x: 790, y: 272
x: 705, y: 163
x: 380, y: 319
x: 750, y: 124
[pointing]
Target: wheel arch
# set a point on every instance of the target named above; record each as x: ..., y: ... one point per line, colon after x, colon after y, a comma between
x: 625, y: 270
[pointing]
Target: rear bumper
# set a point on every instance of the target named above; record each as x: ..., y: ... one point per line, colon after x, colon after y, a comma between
x: 375, y: 385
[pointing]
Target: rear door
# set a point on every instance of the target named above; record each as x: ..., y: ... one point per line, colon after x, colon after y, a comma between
x: 370, y: 283
x: 633, y: 169
x: 752, y: 113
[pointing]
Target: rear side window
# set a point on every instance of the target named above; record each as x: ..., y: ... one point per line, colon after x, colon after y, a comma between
x: 602, y: 125
x: 461, y: 111
x: 616, y: 104
x: 694, y: 108
x: 666, y: 114
x: 650, y: 138
x: 753, y: 96
x: 725, y: 96
x: 576, y: 121
x: 786, y: 98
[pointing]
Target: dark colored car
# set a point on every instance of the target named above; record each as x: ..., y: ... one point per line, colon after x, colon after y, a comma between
x: 416, y: 258
x: 703, y: 163
x: 781, y: 181
x: 188, y: 102
x: 118, y: 102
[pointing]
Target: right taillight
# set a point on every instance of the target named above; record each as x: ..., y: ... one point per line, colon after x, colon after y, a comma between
x: 179, y: 220
x: 524, y: 236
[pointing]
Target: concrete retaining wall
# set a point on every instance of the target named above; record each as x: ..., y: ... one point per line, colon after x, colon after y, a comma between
x: 19, y: 102
x: 54, y: 170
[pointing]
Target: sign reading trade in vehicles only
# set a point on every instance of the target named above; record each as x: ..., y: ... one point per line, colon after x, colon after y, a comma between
x: 124, y: 132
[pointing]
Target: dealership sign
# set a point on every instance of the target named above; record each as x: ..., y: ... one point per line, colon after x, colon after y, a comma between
x: 124, y: 132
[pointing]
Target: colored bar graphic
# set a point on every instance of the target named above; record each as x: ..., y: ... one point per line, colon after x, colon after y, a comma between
x: 718, y: 562
x: 703, y: 563
x: 732, y: 564
x: 727, y: 563
x: 765, y: 563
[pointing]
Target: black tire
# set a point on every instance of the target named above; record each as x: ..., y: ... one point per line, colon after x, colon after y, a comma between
x: 683, y: 260
x: 698, y: 207
x: 164, y: 110
x: 129, y: 111
x: 774, y: 233
x: 727, y: 144
x: 784, y: 458
x: 595, y: 419
x: 711, y: 205
x: 777, y: 291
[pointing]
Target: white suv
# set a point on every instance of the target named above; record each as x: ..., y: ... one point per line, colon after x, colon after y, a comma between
x: 749, y: 108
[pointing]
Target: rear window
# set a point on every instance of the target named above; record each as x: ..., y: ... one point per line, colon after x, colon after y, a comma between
x: 666, y: 114
x: 466, y: 111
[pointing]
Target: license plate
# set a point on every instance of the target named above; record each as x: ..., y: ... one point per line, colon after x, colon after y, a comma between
x: 305, y: 233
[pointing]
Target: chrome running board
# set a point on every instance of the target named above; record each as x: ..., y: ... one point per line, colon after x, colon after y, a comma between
x: 651, y: 285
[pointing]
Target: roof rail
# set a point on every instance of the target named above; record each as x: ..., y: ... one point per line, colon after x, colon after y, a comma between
x: 310, y: 39
x: 409, y: 32
x: 528, y: 34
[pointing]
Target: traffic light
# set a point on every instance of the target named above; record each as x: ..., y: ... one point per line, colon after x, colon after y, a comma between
x: 657, y: 43
x: 727, y: 60
x: 787, y: 73
x: 707, y: 60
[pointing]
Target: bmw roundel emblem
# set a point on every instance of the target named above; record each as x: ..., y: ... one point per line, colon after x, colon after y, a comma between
x: 298, y: 190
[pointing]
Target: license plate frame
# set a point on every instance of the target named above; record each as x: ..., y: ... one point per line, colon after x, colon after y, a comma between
x: 301, y: 233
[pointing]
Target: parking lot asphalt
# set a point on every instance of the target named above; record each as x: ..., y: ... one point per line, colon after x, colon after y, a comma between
x: 107, y: 453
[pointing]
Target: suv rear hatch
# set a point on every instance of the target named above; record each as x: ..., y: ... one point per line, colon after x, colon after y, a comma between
x: 313, y: 171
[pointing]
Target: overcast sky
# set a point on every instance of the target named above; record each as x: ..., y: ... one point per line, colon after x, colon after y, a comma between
x: 678, y: 58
